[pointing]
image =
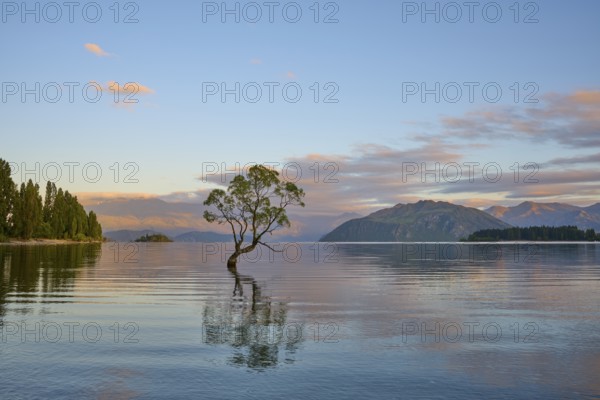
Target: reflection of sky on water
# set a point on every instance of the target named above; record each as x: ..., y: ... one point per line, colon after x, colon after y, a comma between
x: 364, y: 303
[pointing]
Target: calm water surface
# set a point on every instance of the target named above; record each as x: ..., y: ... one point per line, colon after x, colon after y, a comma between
x: 125, y: 321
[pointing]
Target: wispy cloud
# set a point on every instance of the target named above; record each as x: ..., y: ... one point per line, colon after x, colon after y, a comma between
x: 372, y: 176
x: 95, y: 49
x: 256, y: 61
x: 587, y: 159
x: 90, y: 198
x: 128, y: 93
x: 572, y: 120
x: 366, y: 180
x: 127, y: 88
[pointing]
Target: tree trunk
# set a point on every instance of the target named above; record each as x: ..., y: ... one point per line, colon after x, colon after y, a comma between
x: 238, y: 290
x: 232, y: 261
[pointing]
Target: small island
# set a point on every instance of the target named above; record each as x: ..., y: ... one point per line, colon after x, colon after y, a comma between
x: 155, y: 238
x: 535, y: 233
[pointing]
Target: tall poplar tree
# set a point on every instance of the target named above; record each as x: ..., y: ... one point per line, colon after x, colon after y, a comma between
x: 7, y: 193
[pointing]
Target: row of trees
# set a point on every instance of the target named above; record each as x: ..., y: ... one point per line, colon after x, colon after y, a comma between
x: 536, y: 233
x: 59, y: 215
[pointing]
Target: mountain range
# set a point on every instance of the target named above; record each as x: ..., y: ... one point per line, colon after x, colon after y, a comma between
x: 549, y: 214
x: 128, y: 219
x: 423, y: 221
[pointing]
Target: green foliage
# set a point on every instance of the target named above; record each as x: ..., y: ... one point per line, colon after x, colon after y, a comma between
x: 253, y: 206
x: 44, y: 230
x: 535, y: 233
x: 49, y: 202
x: 60, y: 216
x: 94, y: 228
x: 7, y: 192
x: 80, y: 237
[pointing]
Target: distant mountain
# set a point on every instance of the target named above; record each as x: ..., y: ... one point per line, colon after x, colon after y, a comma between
x: 550, y: 214
x: 423, y: 221
x: 594, y: 209
x: 153, y: 215
x: 126, y: 219
x: 309, y: 228
x: 203, y: 237
x: 141, y: 214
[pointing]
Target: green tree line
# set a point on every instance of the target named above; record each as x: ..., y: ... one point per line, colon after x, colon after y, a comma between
x: 59, y: 215
x: 535, y: 233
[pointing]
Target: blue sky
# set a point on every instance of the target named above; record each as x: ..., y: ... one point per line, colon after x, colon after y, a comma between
x: 367, y: 55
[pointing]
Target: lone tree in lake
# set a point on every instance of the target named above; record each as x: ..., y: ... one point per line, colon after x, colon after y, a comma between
x: 253, y: 207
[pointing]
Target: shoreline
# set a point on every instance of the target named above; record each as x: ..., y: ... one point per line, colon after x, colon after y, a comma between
x: 41, y: 242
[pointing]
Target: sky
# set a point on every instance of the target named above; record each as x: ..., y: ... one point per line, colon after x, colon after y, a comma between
x: 476, y: 103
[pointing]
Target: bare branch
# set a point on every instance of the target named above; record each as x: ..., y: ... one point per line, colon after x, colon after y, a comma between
x: 269, y: 247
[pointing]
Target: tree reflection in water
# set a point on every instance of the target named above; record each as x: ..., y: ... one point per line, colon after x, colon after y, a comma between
x: 30, y: 270
x: 254, y: 326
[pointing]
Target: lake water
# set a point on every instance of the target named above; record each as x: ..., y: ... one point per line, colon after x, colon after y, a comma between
x: 318, y: 321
